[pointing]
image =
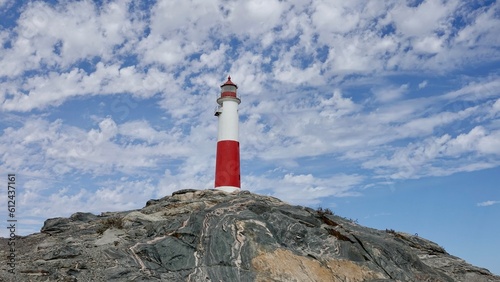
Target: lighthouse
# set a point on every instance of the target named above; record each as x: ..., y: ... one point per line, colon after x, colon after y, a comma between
x: 227, y: 164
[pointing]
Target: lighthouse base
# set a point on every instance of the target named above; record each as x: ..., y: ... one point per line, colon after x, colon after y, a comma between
x: 228, y: 189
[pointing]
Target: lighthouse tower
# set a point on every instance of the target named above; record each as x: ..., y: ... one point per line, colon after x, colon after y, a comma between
x: 227, y: 164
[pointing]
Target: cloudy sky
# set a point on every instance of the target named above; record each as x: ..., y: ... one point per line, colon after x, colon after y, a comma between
x: 387, y: 112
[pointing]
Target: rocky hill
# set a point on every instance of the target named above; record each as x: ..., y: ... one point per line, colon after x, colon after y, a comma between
x: 209, y: 235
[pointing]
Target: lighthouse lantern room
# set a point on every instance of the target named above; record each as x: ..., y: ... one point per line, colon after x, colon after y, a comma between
x: 227, y: 164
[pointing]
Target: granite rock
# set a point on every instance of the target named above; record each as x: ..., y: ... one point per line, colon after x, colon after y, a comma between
x: 209, y: 235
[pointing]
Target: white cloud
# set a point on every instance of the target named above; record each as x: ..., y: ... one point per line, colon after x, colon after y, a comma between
x: 262, y: 15
x: 429, y: 45
x: 477, y: 90
x: 142, y: 130
x: 289, y: 74
x: 167, y: 52
x: 479, y: 33
x: 55, y: 148
x: 55, y: 88
x: 390, y: 93
x: 66, y: 33
x: 115, y: 29
x: 426, y: 18
x: 305, y: 188
x: 248, y: 68
x: 496, y: 106
x: 337, y: 105
x: 489, y: 144
x: 422, y: 84
x: 426, y: 125
x: 107, y: 130
x: 336, y: 17
x: 439, y: 155
x: 487, y: 203
x: 465, y: 142
x: 189, y: 21
x: 109, y: 196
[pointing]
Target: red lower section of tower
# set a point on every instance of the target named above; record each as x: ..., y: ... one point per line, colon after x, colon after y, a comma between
x: 227, y: 164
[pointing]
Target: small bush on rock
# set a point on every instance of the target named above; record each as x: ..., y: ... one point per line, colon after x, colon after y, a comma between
x: 115, y: 221
x: 322, y: 211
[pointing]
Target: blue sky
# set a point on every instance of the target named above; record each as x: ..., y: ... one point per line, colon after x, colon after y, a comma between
x: 387, y: 112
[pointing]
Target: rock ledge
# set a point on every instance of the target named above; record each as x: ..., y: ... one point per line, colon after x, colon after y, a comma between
x: 208, y: 235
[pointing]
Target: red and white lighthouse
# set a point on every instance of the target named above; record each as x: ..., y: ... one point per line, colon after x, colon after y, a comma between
x: 227, y: 164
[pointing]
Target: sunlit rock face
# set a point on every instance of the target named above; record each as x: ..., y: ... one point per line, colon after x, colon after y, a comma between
x: 209, y: 235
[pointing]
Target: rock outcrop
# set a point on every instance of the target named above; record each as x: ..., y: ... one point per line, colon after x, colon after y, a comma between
x: 209, y: 235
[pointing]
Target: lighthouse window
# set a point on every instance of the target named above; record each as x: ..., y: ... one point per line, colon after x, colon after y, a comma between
x: 228, y: 88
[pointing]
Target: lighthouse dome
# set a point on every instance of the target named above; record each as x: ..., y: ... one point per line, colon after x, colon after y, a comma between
x: 228, y: 89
